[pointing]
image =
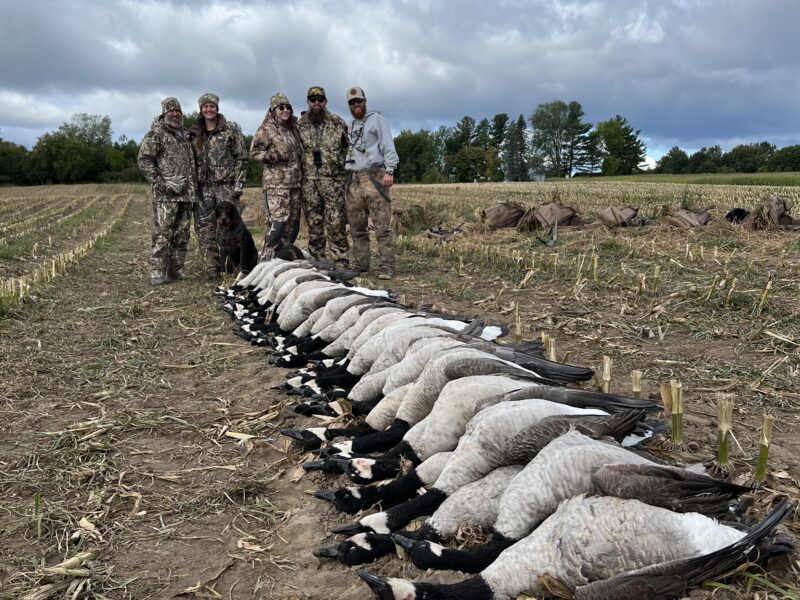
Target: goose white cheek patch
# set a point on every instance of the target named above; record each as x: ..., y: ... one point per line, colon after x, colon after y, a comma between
x: 363, y: 466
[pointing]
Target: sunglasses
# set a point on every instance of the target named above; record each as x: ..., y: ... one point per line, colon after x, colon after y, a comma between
x: 355, y: 101
x: 283, y: 107
x: 317, y: 99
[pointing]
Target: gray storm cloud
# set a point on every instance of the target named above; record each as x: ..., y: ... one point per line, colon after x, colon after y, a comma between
x: 685, y: 72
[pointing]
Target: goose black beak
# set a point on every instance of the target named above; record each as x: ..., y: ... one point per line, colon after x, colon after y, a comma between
x: 327, y: 552
x: 325, y: 495
x: 377, y: 584
x: 351, y: 529
x: 340, y: 461
x: 314, y: 465
x: 404, y: 542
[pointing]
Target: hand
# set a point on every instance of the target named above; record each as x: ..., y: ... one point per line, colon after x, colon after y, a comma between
x: 237, y: 190
x: 388, y: 180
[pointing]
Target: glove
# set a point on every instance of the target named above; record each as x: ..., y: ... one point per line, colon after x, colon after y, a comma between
x: 159, y: 187
x: 175, y: 185
x: 237, y: 190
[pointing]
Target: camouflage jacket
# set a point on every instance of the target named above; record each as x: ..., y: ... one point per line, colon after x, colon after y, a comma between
x: 167, y: 162
x: 221, y: 153
x: 280, y: 150
x: 331, y: 138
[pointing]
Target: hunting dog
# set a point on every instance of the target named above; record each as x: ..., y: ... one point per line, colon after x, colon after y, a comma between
x: 237, y: 251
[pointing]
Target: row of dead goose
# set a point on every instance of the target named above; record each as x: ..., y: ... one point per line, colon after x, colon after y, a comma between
x: 458, y: 429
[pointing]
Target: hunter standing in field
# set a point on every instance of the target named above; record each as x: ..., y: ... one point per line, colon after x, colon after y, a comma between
x: 221, y: 171
x: 167, y: 162
x: 324, y: 136
x: 372, y: 160
x: 277, y: 145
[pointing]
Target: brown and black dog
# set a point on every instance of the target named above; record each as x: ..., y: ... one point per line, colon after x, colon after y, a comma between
x: 237, y: 251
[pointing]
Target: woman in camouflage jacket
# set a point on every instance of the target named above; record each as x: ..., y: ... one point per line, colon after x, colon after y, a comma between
x: 277, y: 145
x: 221, y: 171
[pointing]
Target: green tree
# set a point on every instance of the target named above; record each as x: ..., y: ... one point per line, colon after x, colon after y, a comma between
x: 590, y: 155
x: 254, y: 168
x: 549, y: 123
x: 416, y: 152
x: 482, y: 138
x: 706, y: 160
x: 497, y: 130
x: 515, y: 151
x: 785, y: 159
x: 461, y: 135
x: 76, y: 151
x: 623, y: 151
x: 558, y: 135
x: 13, y: 163
x: 675, y: 162
x: 749, y: 158
x: 468, y: 164
x: 577, y: 133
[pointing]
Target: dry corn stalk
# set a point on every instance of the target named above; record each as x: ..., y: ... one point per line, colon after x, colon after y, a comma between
x: 763, y: 450
x: 636, y: 383
x: 725, y: 420
x: 607, y: 364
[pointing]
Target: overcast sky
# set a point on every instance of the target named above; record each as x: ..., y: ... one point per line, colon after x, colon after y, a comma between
x: 685, y: 72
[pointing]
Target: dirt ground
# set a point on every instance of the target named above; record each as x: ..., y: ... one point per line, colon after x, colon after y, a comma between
x: 119, y: 401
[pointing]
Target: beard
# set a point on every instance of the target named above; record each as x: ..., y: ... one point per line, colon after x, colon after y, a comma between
x: 316, y: 115
x: 173, y: 122
x: 358, y: 110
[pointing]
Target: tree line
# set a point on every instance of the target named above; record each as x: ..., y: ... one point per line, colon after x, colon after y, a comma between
x: 554, y: 141
x: 760, y: 157
x: 558, y: 143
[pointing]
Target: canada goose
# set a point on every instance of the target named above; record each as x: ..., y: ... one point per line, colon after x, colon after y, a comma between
x: 561, y: 470
x: 353, y: 499
x: 503, y: 434
x: 425, y: 391
x: 474, y: 504
x: 542, y: 442
x: 446, y: 423
x: 446, y: 366
x: 591, y: 539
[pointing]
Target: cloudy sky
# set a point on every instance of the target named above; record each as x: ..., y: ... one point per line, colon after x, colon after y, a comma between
x: 685, y: 72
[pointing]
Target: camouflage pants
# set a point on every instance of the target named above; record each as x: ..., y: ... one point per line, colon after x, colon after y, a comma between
x: 281, y: 219
x: 365, y: 203
x: 205, y: 221
x: 326, y: 218
x: 171, y: 221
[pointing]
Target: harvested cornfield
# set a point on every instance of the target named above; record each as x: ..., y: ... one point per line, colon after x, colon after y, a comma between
x: 140, y: 455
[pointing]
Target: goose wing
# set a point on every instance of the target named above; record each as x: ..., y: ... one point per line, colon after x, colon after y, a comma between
x: 673, y: 488
x: 671, y: 579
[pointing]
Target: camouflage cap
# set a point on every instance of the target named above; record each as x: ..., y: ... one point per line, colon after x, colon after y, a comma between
x: 171, y: 103
x: 316, y: 90
x: 208, y: 98
x: 355, y: 93
x: 278, y: 98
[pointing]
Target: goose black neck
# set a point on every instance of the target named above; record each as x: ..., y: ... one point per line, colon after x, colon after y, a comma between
x: 474, y: 588
x: 424, y: 504
x: 382, y: 440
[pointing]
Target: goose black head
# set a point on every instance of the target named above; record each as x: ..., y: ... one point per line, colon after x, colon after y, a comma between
x: 348, y: 500
x: 358, y: 549
x: 310, y: 439
x: 422, y: 553
x: 389, y: 588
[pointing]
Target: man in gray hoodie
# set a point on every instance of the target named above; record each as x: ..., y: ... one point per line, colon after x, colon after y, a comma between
x: 372, y: 160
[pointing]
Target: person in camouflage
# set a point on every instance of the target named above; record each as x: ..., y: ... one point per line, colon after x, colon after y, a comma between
x: 167, y: 162
x: 277, y: 144
x: 221, y: 171
x: 372, y: 159
x: 324, y: 136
